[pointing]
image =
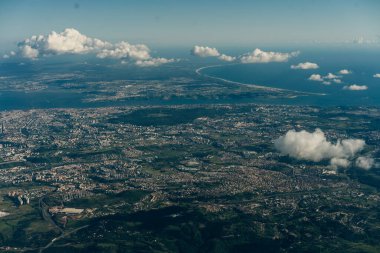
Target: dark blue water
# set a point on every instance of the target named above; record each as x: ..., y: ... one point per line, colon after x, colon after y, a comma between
x: 363, y: 63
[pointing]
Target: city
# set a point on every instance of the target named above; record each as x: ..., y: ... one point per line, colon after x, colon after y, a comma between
x: 74, y: 166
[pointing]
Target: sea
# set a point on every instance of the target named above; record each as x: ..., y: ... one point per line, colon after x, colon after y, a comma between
x: 362, y: 63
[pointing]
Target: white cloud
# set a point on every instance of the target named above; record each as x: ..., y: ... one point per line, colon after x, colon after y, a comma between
x: 256, y: 56
x: 376, y: 75
x: 125, y: 50
x: 29, y: 52
x: 344, y: 72
x: 364, y: 162
x: 11, y: 53
x: 337, y: 81
x: 339, y: 163
x: 227, y: 58
x: 203, y: 51
x: 361, y: 40
x: 355, y: 87
x: 316, y: 77
x: 153, y: 62
x: 71, y: 41
x: 315, y: 147
x: 259, y: 56
x: 305, y: 65
x: 331, y: 76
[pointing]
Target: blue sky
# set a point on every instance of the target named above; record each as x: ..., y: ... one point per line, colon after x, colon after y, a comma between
x: 185, y: 23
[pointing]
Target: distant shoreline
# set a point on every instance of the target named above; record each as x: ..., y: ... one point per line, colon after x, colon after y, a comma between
x: 198, y: 71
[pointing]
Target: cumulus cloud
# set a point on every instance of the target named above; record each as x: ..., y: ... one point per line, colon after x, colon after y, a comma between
x: 125, y: 50
x: 29, y: 52
x: 337, y: 81
x: 11, y: 53
x: 355, y: 87
x: 71, y: 41
x: 376, y: 75
x: 256, y: 56
x: 331, y: 76
x: 203, y: 51
x: 339, y: 163
x: 227, y: 58
x: 364, y: 162
x: 260, y: 56
x: 361, y: 40
x: 326, y: 80
x: 153, y: 62
x: 305, y: 65
x: 344, y: 72
x: 315, y: 147
x: 316, y: 77
x: 358, y: 40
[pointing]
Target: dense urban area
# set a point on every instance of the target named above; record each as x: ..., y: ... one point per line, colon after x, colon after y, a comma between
x: 188, y: 178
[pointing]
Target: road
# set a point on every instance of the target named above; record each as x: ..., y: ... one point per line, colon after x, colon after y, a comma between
x: 45, y: 214
x: 63, y: 235
x: 44, y: 208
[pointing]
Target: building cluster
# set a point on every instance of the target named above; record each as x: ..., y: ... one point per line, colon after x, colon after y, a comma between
x: 20, y: 198
x: 227, y: 152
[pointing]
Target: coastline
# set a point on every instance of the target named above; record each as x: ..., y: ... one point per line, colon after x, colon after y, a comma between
x: 198, y: 71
